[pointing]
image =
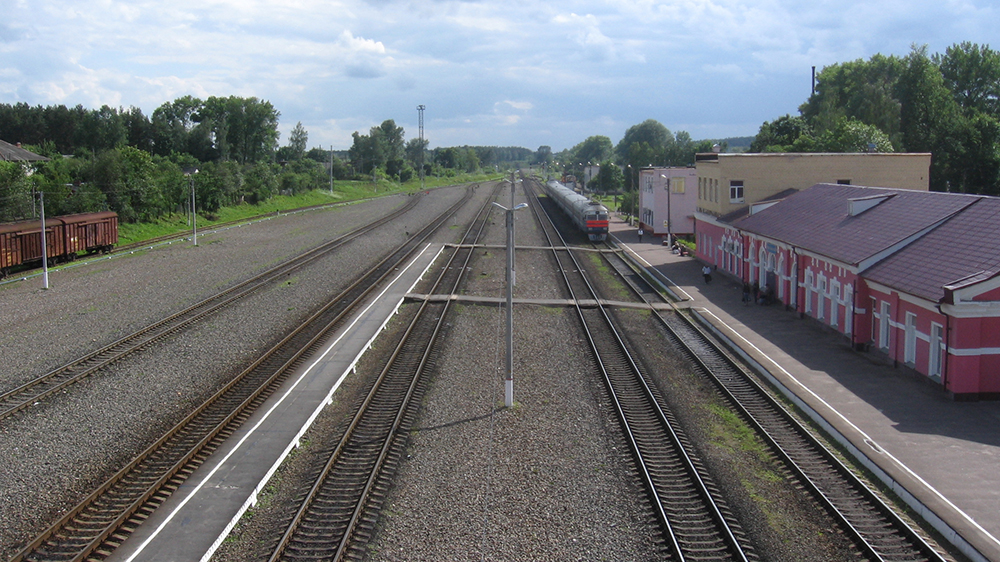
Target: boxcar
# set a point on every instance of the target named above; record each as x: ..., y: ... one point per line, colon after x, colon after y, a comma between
x: 65, y: 238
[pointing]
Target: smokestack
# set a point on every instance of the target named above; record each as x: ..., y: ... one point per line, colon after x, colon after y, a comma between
x: 814, y: 81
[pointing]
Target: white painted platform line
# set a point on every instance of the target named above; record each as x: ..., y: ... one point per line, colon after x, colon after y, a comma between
x: 911, y: 500
x: 295, y: 441
x: 672, y: 288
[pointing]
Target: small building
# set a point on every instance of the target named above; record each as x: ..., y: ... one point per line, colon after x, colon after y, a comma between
x: 667, y: 200
x: 728, y: 182
x: 14, y: 153
x: 914, y: 275
x: 731, y: 185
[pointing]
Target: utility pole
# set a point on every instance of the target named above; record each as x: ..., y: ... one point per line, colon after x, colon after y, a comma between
x: 331, y: 169
x: 508, y: 400
x: 45, y: 251
x: 420, y: 112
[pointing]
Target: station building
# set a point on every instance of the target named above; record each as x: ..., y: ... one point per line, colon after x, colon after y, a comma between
x: 913, y: 275
x: 668, y: 199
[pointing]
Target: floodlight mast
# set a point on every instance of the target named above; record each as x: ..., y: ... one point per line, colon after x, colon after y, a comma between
x: 508, y: 400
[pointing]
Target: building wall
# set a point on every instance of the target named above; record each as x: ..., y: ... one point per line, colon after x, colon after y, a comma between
x: 654, y: 200
x: 764, y: 175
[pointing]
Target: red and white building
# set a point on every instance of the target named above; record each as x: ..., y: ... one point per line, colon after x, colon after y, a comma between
x: 913, y: 274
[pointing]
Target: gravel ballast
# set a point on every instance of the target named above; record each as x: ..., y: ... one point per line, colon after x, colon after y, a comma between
x: 549, y: 479
x: 59, y: 450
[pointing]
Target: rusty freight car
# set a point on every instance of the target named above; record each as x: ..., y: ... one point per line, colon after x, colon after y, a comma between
x: 65, y: 238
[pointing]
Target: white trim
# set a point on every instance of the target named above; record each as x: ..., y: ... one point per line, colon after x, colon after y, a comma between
x: 966, y: 294
x: 974, y: 351
x: 977, y: 309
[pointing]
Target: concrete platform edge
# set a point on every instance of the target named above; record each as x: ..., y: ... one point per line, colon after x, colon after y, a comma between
x: 252, y: 500
x: 890, y: 475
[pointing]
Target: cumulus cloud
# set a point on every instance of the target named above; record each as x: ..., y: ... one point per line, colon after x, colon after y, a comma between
x: 542, y: 73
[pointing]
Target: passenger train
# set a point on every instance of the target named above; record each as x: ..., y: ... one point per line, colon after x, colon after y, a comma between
x: 587, y: 215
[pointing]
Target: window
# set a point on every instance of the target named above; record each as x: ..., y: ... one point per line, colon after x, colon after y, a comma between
x: 934, y: 360
x: 677, y: 185
x: 843, y: 182
x: 910, y: 347
x: 809, y: 291
x: 736, y: 191
x: 834, y: 303
x: 821, y: 298
x: 883, y: 327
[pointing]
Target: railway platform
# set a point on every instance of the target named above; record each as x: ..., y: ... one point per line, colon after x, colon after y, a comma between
x: 938, y: 455
x: 197, y: 517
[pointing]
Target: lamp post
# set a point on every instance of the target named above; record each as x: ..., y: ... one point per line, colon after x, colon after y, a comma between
x: 508, y: 398
x: 667, y: 188
x: 190, y: 172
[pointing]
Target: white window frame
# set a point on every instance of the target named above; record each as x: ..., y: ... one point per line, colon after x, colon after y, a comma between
x: 736, y: 191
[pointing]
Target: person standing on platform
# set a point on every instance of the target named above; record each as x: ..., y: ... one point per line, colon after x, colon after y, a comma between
x: 640, y: 235
x: 707, y: 272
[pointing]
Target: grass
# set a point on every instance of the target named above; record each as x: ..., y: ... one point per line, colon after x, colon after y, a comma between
x: 343, y: 191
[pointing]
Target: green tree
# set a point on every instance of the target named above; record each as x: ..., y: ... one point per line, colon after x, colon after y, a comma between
x: 860, y: 90
x: 972, y: 73
x: 610, y: 178
x: 650, y: 132
x: 851, y: 135
x: 779, y: 135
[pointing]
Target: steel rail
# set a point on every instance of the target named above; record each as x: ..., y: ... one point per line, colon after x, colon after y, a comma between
x: 339, y: 528
x: 827, y: 479
x: 140, y: 486
x: 684, y: 543
x: 52, y: 382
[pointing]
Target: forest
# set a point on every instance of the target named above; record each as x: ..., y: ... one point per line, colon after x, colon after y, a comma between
x: 947, y: 104
x: 226, y: 149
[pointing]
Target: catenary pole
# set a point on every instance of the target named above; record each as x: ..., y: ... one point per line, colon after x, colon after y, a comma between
x: 45, y: 252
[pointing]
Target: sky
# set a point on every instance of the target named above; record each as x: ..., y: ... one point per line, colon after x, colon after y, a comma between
x: 524, y: 73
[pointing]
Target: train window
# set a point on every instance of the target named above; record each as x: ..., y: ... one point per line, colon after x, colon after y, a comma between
x: 602, y: 216
x: 592, y: 217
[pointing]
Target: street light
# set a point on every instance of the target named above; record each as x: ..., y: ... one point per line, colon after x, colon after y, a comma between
x: 508, y: 399
x: 190, y: 172
x: 667, y: 187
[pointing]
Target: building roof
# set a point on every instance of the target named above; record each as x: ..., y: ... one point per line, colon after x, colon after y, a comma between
x: 964, y: 250
x: 745, y: 210
x: 852, y: 224
x: 15, y: 153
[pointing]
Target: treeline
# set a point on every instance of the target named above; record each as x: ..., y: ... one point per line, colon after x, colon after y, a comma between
x: 143, y: 167
x: 945, y: 104
x: 649, y: 143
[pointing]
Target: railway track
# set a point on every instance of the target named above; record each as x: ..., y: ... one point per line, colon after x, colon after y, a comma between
x: 28, y: 394
x: 96, y: 526
x: 696, y: 522
x: 878, y: 532
x: 337, y: 515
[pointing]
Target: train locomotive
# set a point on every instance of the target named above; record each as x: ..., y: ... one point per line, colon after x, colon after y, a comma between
x: 589, y: 216
x: 65, y: 237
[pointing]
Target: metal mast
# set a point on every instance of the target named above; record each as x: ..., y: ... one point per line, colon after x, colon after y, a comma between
x: 420, y: 111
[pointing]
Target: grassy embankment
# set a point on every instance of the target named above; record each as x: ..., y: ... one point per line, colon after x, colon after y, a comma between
x: 342, y: 191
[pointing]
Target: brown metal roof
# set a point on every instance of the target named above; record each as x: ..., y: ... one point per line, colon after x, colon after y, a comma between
x: 819, y: 219
x: 962, y: 251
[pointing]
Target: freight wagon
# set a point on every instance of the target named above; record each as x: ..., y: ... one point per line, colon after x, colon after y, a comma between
x: 65, y: 238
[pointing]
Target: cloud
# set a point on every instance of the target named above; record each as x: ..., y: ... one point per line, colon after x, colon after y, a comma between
x: 537, y: 73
